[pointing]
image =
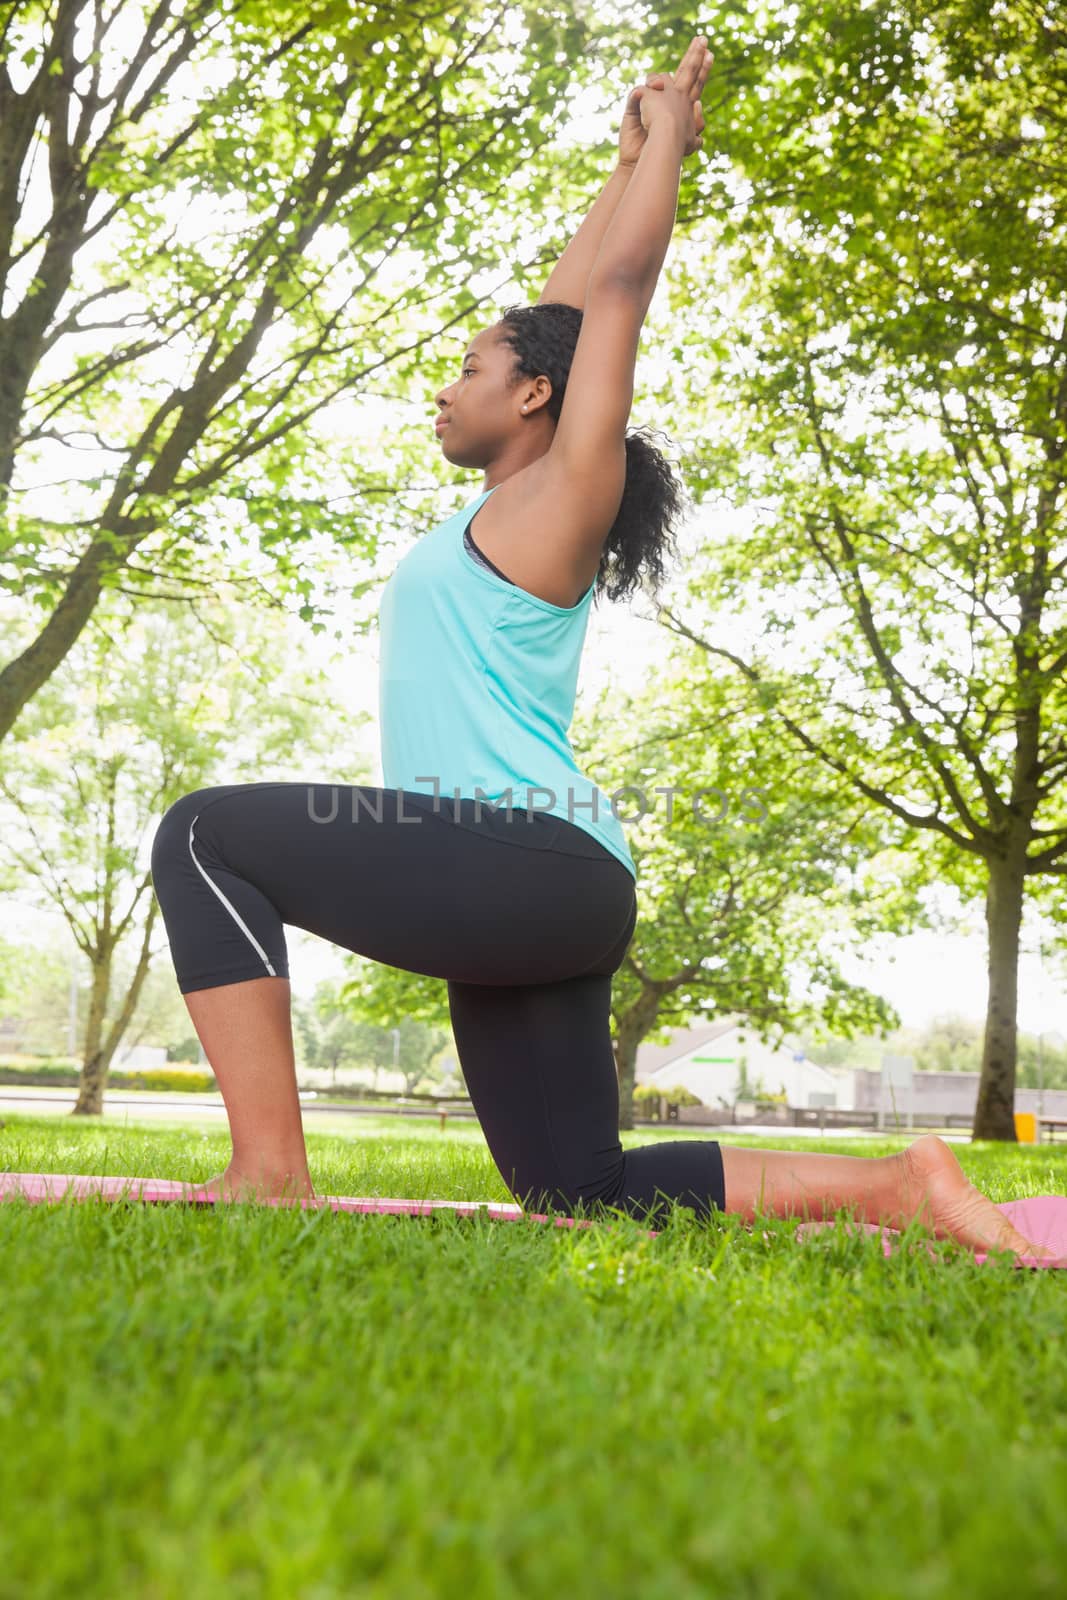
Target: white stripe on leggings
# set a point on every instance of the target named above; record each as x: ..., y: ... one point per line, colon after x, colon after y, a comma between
x: 233, y: 913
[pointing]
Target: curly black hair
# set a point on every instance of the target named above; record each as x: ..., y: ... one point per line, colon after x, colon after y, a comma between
x: 543, y: 338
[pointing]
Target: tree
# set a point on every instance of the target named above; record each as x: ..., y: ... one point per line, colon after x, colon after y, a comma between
x: 36, y: 1002
x: 11, y: 966
x: 947, y: 1044
x: 50, y: 1002
x: 145, y: 708
x: 248, y: 213
x: 332, y: 1037
x: 413, y: 1003
x: 899, y: 255
x: 751, y: 877
x: 381, y: 994
x: 417, y: 1046
x: 160, y: 1017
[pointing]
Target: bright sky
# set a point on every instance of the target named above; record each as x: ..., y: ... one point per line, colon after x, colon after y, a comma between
x: 927, y: 976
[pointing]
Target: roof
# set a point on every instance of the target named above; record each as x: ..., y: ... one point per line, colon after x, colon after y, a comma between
x: 650, y: 1057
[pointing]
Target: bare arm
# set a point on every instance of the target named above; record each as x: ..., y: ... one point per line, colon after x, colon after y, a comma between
x: 569, y: 278
x: 635, y: 242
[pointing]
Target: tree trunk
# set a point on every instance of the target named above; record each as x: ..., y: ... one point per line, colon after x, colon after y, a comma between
x: 100, y: 1049
x: 21, y: 678
x: 994, y: 1116
x: 632, y: 1028
x: 97, y: 1058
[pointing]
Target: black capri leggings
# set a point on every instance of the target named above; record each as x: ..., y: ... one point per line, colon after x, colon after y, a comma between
x: 526, y: 916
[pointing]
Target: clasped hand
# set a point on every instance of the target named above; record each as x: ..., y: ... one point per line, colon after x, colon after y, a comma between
x: 662, y: 96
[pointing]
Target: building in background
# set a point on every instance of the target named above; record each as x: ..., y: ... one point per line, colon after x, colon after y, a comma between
x: 727, y: 1066
x: 725, y: 1062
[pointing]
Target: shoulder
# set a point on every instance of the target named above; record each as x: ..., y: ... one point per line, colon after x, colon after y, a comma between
x: 543, y: 529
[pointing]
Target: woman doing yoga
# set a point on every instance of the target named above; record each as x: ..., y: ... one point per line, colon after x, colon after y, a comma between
x: 509, y: 876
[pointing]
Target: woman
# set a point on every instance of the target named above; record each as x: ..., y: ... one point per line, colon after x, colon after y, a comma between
x: 510, y: 877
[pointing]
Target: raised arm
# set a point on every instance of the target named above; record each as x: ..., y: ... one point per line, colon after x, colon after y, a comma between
x: 635, y: 241
x: 569, y: 279
x: 587, y: 456
x: 589, y: 445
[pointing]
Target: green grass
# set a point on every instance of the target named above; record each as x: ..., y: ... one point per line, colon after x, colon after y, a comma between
x: 258, y: 1404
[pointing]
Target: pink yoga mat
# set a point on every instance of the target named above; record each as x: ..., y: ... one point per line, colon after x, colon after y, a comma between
x: 1042, y: 1218
x: 36, y: 1186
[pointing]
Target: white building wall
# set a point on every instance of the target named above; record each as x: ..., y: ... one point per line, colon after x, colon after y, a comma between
x: 712, y: 1072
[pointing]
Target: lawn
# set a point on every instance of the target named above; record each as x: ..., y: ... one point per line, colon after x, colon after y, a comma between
x: 274, y: 1404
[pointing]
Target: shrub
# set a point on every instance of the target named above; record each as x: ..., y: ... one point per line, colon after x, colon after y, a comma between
x: 161, y: 1079
x: 647, y: 1099
x: 62, y: 1075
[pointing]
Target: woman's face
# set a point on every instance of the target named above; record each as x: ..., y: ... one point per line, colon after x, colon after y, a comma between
x: 480, y: 416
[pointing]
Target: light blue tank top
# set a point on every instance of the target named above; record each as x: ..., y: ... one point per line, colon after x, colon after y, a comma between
x: 476, y: 689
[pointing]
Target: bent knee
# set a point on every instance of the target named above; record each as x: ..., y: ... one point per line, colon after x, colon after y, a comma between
x: 172, y: 833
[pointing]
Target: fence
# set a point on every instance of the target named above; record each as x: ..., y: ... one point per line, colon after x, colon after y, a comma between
x: 807, y: 1117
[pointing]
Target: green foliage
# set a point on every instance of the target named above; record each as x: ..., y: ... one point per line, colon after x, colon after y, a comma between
x: 883, y: 415
x: 647, y: 1099
x: 148, y: 705
x: 185, y: 1049
x: 950, y: 1043
x: 10, y: 962
x: 29, y: 1073
x: 748, y: 912
x: 335, y: 1029
x: 159, y: 1080
x: 385, y: 995
x: 890, y: 412
x: 269, y: 204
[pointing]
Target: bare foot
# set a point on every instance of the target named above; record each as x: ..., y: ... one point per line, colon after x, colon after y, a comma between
x: 234, y: 1185
x: 937, y: 1191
